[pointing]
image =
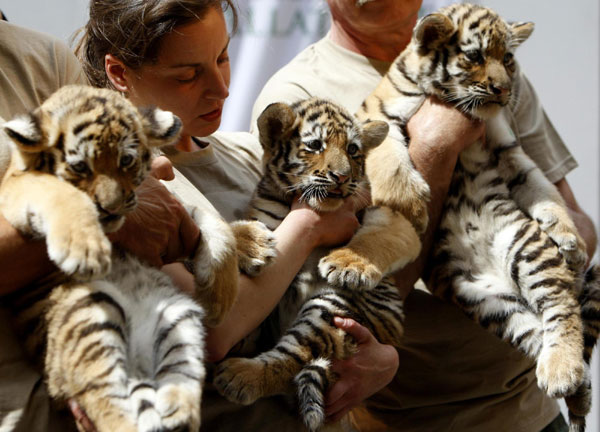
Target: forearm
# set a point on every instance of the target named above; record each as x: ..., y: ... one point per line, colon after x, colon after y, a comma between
x: 258, y: 296
x: 436, y: 166
x: 21, y: 261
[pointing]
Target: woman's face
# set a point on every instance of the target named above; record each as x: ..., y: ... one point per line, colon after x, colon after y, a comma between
x: 191, y: 75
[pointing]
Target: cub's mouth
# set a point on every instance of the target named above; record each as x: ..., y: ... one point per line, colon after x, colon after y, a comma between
x: 335, y: 193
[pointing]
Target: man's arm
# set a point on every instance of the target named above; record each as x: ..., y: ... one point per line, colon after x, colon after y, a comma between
x: 582, y: 221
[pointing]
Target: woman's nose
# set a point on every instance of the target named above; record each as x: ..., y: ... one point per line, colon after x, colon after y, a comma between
x: 218, y: 87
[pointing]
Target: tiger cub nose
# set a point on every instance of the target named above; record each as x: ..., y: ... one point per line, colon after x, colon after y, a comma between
x: 338, y: 177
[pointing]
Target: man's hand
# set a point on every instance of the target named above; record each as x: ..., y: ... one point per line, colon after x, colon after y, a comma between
x: 363, y: 374
x: 442, y: 128
x: 159, y: 230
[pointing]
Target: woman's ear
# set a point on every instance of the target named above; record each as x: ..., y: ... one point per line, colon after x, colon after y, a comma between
x: 115, y: 71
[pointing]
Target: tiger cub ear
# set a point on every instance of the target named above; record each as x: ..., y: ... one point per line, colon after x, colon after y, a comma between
x: 26, y: 132
x: 276, y: 121
x: 433, y: 31
x: 161, y: 127
x: 374, y: 132
x: 520, y: 32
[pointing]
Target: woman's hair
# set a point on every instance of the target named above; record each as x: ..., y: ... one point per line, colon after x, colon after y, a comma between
x: 131, y: 30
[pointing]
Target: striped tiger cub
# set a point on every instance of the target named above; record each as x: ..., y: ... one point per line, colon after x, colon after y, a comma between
x: 314, y: 149
x: 506, y: 252
x: 112, y: 333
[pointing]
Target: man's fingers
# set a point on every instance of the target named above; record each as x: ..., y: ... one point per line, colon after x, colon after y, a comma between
x: 358, y: 332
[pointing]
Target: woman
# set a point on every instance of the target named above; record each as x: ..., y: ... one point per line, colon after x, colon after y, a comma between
x: 173, y: 54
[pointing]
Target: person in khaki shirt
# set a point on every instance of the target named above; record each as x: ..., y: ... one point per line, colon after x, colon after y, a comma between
x: 453, y: 375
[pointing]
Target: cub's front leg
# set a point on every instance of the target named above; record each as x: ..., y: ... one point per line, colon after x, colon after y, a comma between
x: 255, y: 246
x: 215, y: 266
x: 389, y: 237
x: 535, y: 194
x: 41, y: 205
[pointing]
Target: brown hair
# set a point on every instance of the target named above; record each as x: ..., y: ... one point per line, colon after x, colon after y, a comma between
x: 131, y: 30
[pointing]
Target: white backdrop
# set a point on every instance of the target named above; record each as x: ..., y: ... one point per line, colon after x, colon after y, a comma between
x: 561, y: 58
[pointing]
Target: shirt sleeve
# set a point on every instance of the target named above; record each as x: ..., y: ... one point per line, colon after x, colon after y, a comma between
x: 537, y: 135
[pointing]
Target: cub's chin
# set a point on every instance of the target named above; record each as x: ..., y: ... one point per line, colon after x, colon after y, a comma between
x: 112, y: 223
x: 327, y: 204
x: 487, y: 110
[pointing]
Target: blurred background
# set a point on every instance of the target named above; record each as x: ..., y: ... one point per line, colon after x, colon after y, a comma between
x: 561, y: 59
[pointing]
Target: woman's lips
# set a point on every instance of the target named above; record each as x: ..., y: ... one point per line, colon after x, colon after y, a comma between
x: 211, y: 116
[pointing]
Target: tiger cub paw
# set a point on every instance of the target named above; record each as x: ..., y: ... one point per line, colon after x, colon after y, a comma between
x: 346, y: 269
x: 239, y: 380
x: 179, y: 406
x: 79, y: 250
x: 565, y: 235
x: 255, y: 246
x: 560, y: 372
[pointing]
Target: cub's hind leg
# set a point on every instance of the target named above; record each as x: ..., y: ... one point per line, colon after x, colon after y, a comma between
x: 177, y: 348
x: 552, y: 290
x: 312, y: 335
x: 86, y: 356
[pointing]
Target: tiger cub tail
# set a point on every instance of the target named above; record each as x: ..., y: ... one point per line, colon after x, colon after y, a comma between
x: 579, y: 403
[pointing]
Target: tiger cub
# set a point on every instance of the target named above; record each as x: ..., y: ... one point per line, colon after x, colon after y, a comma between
x: 506, y: 252
x: 114, y: 334
x: 316, y: 150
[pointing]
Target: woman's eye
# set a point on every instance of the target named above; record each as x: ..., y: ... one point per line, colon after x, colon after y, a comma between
x: 188, y: 77
x: 314, y: 145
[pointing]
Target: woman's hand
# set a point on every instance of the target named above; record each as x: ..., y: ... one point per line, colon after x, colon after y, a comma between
x: 363, y: 374
x: 328, y: 228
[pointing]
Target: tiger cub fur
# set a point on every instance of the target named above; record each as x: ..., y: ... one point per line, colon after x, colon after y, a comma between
x: 315, y: 149
x: 112, y: 333
x: 506, y: 252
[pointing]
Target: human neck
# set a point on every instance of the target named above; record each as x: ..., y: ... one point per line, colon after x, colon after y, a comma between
x: 187, y: 144
x: 383, y: 44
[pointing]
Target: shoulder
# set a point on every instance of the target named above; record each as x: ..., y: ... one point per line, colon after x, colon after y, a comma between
x: 34, y: 66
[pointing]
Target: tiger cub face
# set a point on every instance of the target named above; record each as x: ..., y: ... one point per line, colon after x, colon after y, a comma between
x: 465, y: 56
x: 316, y: 149
x: 96, y: 140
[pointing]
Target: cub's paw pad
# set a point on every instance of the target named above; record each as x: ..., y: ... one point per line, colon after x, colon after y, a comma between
x: 559, y: 373
x: 256, y: 246
x: 239, y: 380
x: 83, y: 253
x: 344, y: 268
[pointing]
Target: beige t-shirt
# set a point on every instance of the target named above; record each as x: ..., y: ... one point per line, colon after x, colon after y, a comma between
x: 226, y: 171
x: 32, y: 67
x: 453, y: 375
